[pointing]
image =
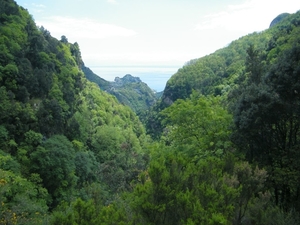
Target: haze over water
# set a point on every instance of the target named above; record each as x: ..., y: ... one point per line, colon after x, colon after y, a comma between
x: 155, y: 77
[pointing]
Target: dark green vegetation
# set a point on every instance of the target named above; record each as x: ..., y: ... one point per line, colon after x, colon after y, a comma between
x: 226, y: 129
x: 129, y: 90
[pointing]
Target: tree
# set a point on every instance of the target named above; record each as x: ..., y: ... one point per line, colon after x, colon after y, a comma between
x: 120, y: 156
x: 78, y: 212
x: 250, y: 183
x: 254, y: 65
x: 51, y: 117
x: 284, y: 78
x: 54, y: 161
x: 199, y: 123
x: 175, y: 190
x: 267, y: 127
x: 22, y: 202
x: 86, y: 167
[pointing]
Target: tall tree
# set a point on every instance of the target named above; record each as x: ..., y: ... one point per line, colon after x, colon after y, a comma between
x: 267, y: 126
x: 199, y: 125
x: 54, y: 161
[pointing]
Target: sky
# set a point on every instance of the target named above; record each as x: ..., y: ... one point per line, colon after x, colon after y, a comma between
x: 153, y: 32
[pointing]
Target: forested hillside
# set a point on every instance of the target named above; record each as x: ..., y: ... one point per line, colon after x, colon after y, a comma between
x: 61, y: 137
x: 227, y: 135
x: 224, y: 70
x: 221, y: 71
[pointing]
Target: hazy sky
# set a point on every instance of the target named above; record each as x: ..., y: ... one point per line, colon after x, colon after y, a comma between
x: 153, y: 32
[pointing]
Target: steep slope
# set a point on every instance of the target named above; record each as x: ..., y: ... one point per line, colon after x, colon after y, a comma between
x: 91, y: 76
x: 60, y: 135
x: 219, y: 72
x: 224, y: 70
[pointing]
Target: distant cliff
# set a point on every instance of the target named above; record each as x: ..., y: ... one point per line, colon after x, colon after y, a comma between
x: 127, y: 79
x: 129, y: 90
x: 133, y: 92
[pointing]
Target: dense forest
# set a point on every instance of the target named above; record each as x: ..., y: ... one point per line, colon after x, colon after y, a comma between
x: 220, y: 146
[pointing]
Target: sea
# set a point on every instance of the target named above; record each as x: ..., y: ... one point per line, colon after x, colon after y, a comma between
x: 155, y: 77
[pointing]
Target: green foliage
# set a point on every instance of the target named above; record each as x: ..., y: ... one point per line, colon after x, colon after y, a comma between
x: 251, y: 184
x: 115, y: 213
x: 153, y: 121
x: 86, y: 167
x: 120, y: 156
x: 267, y: 122
x: 86, y: 212
x: 175, y: 190
x: 22, y: 202
x: 198, y: 126
x: 8, y: 163
x: 79, y: 213
x: 54, y: 161
x: 3, y: 136
x: 107, y: 142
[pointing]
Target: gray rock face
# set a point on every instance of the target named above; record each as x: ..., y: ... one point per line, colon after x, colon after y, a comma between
x: 278, y: 19
x: 127, y: 79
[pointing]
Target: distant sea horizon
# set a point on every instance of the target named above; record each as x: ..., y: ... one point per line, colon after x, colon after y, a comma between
x: 155, y: 77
